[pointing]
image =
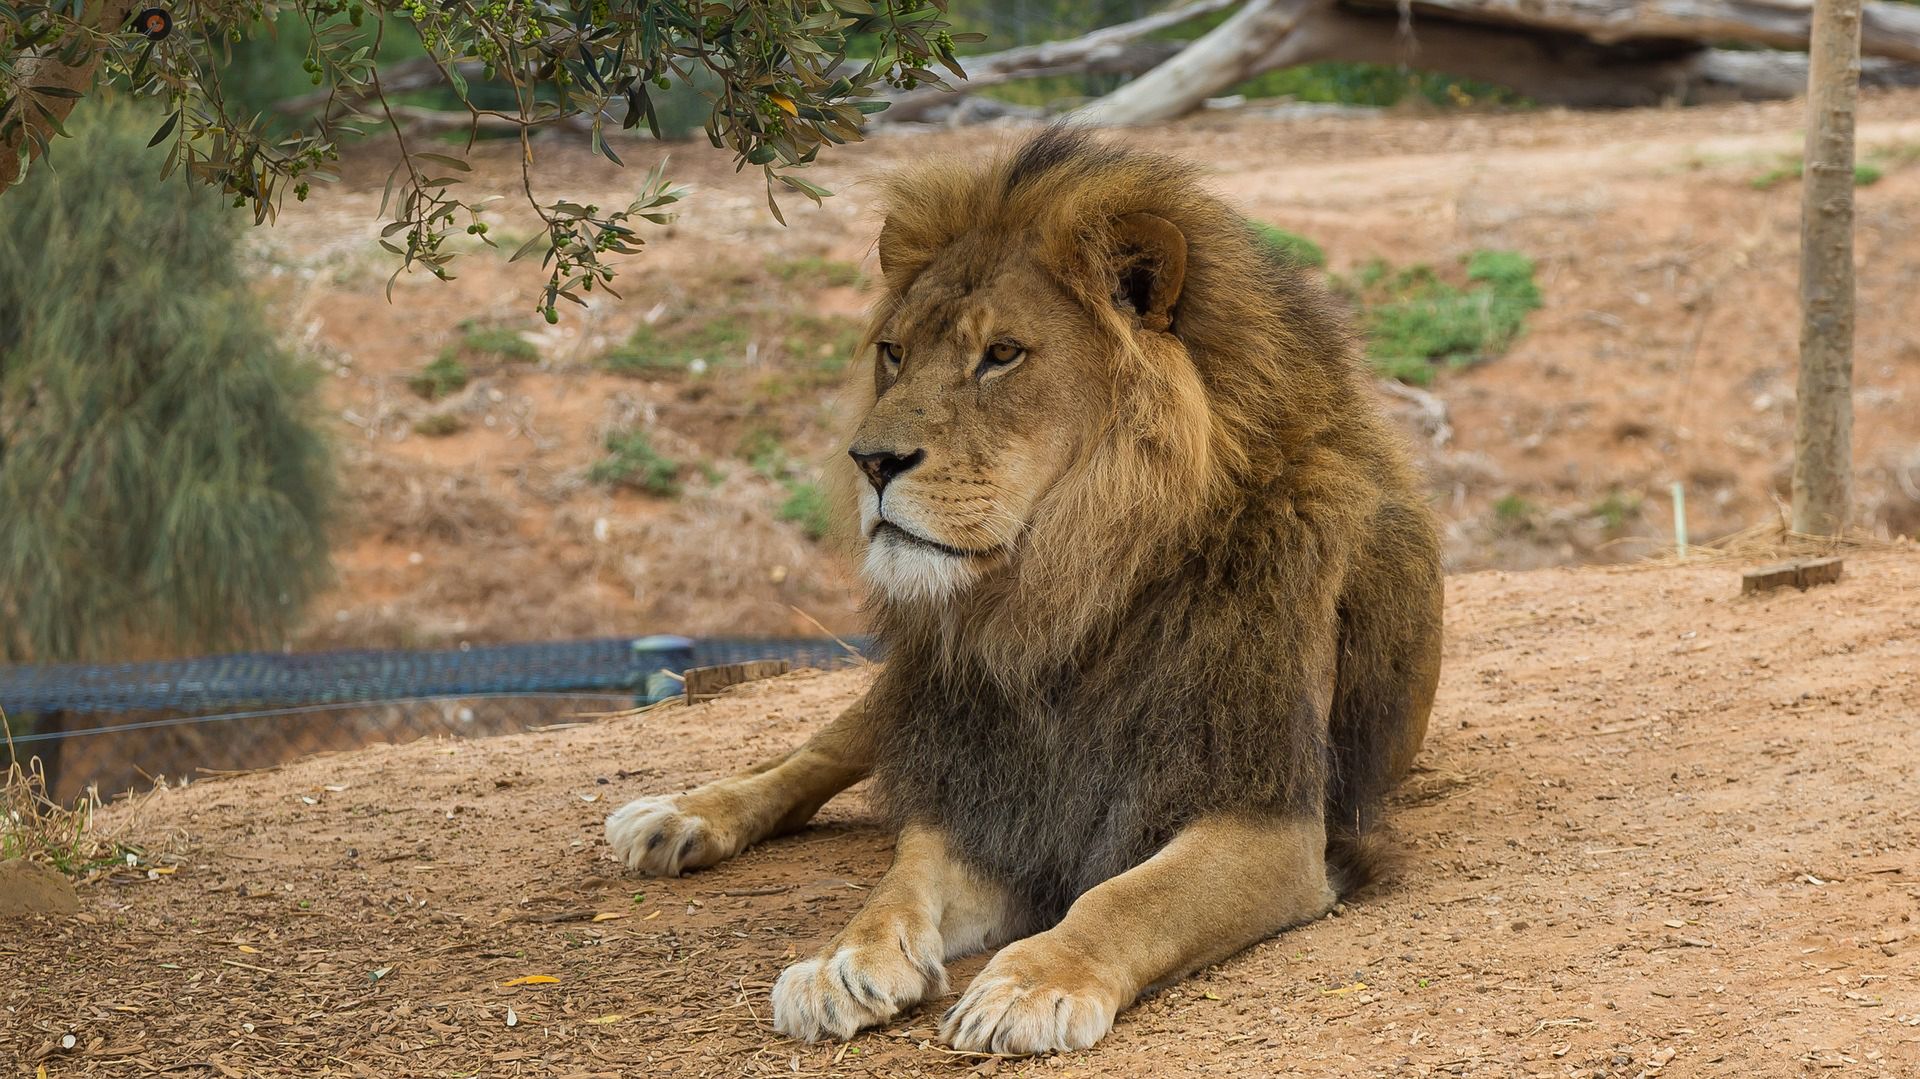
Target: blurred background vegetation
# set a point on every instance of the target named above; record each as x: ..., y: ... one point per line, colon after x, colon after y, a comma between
x: 165, y: 483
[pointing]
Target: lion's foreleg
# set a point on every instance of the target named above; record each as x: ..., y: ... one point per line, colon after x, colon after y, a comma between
x: 928, y: 908
x: 1223, y: 883
x: 664, y: 836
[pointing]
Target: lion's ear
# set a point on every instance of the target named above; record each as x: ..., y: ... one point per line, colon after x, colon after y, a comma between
x: 1150, y: 264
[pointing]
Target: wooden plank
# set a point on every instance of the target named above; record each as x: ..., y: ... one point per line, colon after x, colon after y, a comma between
x: 1768, y: 578
x: 1801, y: 573
x: 1815, y: 571
x: 706, y: 683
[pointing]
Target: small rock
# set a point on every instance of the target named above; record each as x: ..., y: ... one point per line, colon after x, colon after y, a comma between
x: 29, y: 888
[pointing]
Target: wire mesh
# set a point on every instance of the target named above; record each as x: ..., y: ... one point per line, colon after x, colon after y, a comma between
x: 117, y: 727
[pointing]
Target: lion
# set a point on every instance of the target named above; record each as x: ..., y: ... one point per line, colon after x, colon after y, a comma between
x: 1159, y: 598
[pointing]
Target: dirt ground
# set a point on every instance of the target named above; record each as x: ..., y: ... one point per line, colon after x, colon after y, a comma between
x: 1664, y: 352
x: 1658, y: 829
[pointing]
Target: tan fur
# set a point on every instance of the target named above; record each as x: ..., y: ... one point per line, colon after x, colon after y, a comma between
x: 930, y: 907
x: 1159, y: 596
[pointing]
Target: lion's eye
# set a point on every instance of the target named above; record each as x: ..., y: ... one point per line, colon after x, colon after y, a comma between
x: 1001, y: 355
x: 890, y: 355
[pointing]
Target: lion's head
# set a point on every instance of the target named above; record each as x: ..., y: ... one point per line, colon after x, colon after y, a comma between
x: 1077, y: 354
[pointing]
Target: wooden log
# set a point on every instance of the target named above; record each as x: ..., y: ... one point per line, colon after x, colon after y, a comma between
x: 1887, y: 29
x: 706, y: 683
x: 1561, y: 68
x: 1573, y: 52
x: 1802, y: 573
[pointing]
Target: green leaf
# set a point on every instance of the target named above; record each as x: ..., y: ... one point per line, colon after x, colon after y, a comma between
x: 811, y: 190
x: 600, y: 144
x: 528, y: 247
x: 166, y: 129
x: 442, y: 159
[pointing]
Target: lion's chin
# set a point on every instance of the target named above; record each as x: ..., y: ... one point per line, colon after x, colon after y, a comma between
x: 906, y: 570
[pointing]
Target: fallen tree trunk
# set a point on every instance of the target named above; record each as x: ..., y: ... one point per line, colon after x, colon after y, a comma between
x: 1551, y: 68
x: 1229, y: 53
x: 1586, y: 53
x: 1886, y: 29
x: 1114, y: 50
x: 1557, y: 68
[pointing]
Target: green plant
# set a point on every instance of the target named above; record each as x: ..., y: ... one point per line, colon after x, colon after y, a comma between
x: 1865, y: 173
x: 439, y: 378
x: 632, y: 461
x: 1616, y: 509
x: 816, y: 270
x: 785, y: 80
x: 163, y: 475
x: 439, y: 424
x: 1416, y: 320
x: 806, y: 506
x: 496, y: 343
x: 761, y: 447
x: 657, y: 350
x: 1290, y: 246
x: 828, y: 340
x: 1513, y: 509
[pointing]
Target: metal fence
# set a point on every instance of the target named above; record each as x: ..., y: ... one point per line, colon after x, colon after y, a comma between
x: 120, y: 726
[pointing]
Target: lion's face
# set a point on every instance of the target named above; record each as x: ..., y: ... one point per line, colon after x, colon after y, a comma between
x: 988, y: 384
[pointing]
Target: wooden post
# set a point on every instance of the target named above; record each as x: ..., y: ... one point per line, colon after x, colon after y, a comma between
x: 706, y: 683
x: 1823, y: 421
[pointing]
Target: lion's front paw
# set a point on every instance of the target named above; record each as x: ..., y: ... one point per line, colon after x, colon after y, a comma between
x: 1032, y: 998
x: 851, y: 986
x: 662, y: 838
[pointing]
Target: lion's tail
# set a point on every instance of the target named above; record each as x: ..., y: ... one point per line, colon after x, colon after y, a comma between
x: 1389, y: 665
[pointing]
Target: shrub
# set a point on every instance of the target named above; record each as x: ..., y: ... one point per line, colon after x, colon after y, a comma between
x: 163, y: 483
x: 1290, y: 246
x: 657, y: 350
x: 1415, y: 320
x: 816, y: 270
x: 632, y: 461
x: 439, y: 378
x: 807, y: 506
x: 496, y: 343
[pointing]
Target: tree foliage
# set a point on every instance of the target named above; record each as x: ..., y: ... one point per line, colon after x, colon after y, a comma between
x: 786, y: 78
x: 162, y: 484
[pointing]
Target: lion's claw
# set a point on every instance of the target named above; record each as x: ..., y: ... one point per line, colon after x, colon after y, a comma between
x: 836, y: 994
x: 656, y: 836
x: 1016, y: 1006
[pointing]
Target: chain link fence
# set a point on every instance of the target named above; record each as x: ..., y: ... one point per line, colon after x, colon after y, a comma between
x: 120, y: 727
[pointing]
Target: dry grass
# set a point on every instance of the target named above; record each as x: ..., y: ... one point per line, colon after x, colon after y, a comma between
x: 1775, y: 540
x: 35, y: 827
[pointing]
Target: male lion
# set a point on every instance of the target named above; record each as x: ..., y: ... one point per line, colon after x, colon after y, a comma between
x: 1159, y: 597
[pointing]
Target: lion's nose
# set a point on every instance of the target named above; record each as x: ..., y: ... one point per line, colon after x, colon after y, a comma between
x: 881, y: 466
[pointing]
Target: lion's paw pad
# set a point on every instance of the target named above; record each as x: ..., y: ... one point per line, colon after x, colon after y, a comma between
x: 1007, y: 1014
x: 658, y: 838
x: 835, y: 995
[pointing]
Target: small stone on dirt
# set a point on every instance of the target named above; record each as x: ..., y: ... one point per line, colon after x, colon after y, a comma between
x: 29, y: 888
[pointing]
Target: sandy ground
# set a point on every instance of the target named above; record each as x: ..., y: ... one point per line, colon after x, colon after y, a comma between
x: 1658, y: 829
